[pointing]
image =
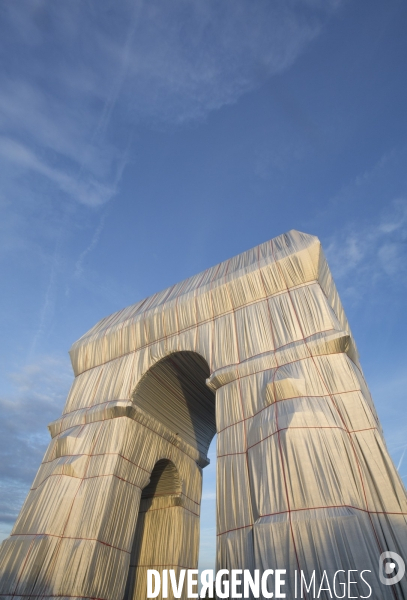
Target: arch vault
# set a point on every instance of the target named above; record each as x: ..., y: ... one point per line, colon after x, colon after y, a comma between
x: 304, y: 479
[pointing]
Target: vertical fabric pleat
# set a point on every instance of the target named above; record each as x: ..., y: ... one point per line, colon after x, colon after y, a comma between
x: 257, y: 349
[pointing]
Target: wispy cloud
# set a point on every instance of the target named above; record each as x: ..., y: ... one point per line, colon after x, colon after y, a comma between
x: 368, y: 253
x: 388, y: 388
x: 81, y: 76
x: 95, y: 238
x: 39, y: 391
x: 89, y: 70
x: 47, y: 304
x: 209, y: 496
x: 401, y: 459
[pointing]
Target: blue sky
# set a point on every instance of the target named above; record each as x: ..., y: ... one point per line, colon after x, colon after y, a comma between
x: 143, y: 141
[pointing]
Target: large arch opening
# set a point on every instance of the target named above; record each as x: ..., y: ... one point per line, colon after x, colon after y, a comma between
x: 174, y: 393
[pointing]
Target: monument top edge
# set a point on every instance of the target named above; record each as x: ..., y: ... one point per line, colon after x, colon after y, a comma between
x: 272, y: 250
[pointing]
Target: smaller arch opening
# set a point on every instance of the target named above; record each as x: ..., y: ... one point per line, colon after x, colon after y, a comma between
x: 156, y: 518
x: 164, y: 481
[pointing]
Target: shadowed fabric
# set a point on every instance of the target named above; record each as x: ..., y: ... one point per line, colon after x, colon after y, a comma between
x: 174, y: 391
x: 164, y: 481
x: 259, y: 350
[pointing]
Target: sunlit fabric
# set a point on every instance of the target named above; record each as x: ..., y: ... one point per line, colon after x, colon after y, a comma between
x: 257, y: 349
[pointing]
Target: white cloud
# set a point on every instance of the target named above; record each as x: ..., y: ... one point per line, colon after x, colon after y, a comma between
x: 369, y: 253
x: 89, y: 70
x: 80, y: 76
x: 209, y: 53
x: 39, y: 392
x: 209, y: 495
x: 95, y: 238
x: 388, y: 387
x: 401, y: 458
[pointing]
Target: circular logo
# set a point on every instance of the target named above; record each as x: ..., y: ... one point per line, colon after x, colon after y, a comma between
x: 391, y: 568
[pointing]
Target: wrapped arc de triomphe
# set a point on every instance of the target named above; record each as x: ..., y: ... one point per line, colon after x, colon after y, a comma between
x: 257, y: 349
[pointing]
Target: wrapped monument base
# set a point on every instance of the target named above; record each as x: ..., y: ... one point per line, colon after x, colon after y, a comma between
x: 257, y: 349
